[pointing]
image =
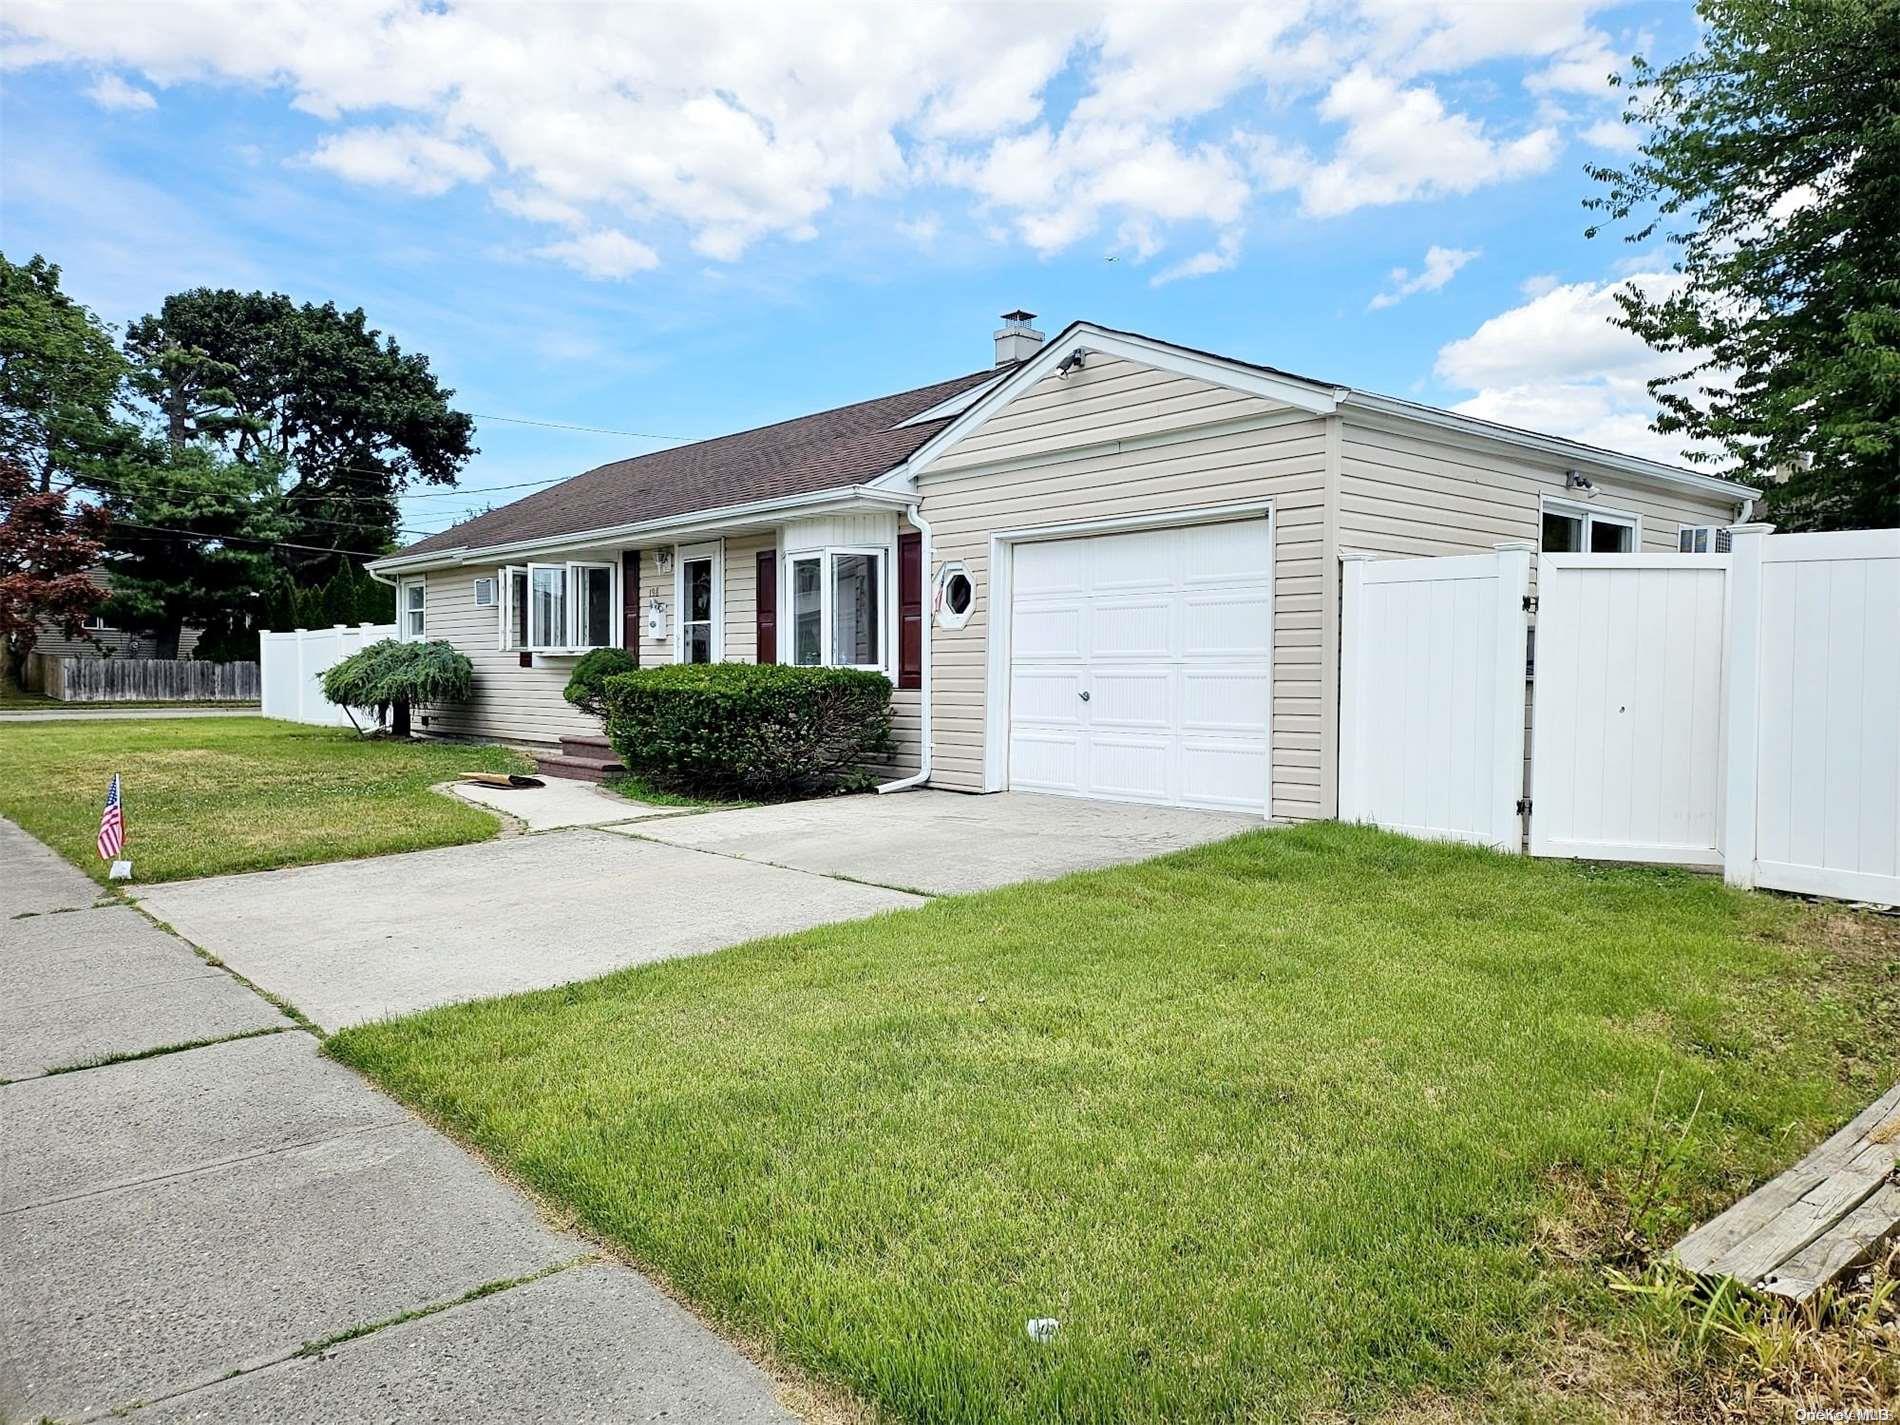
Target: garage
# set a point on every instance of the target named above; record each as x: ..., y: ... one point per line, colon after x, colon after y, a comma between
x: 1141, y: 665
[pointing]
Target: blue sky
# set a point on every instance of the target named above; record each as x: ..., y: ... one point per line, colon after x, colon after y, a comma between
x: 681, y: 221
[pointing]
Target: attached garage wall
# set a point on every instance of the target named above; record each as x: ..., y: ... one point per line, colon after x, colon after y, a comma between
x: 1115, y: 439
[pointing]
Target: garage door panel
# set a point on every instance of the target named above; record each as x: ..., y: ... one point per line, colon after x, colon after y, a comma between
x: 1235, y: 625
x: 1221, y: 553
x: 1042, y: 695
x: 1130, y: 628
x: 1142, y: 559
x: 1219, y: 773
x: 1045, y: 761
x: 1059, y: 567
x: 1125, y: 765
x: 1225, y: 699
x: 1130, y: 697
x: 1048, y: 630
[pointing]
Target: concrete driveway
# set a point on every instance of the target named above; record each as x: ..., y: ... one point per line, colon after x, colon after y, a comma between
x: 361, y: 940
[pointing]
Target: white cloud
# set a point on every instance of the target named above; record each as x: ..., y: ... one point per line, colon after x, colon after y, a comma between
x: 111, y: 92
x: 717, y: 127
x: 1218, y: 258
x: 406, y: 158
x: 1614, y: 135
x: 1441, y: 265
x: 1557, y: 363
x: 922, y: 230
x: 1582, y: 68
x: 602, y: 252
x: 1399, y: 144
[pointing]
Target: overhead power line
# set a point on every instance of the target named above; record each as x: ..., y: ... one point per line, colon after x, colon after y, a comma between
x: 591, y: 430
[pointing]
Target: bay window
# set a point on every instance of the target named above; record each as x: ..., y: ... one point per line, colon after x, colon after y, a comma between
x: 838, y: 608
x: 557, y: 608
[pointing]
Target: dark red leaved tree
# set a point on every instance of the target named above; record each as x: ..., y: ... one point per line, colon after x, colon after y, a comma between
x: 48, y: 551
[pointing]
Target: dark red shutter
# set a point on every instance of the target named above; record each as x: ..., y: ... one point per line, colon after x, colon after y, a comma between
x: 768, y: 606
x: 910, y: 609
x: 630, y: 603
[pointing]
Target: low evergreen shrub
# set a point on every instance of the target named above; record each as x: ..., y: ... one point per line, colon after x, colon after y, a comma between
x: 752, y: 731
x: 586, y: 685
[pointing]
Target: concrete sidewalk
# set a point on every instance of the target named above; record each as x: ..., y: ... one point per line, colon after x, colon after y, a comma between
x: 245, y: 1230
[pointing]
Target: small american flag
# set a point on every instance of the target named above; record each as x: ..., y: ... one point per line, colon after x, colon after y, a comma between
x: 111, y: 824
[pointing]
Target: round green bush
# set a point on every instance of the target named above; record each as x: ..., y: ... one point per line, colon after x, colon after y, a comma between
x: 746, y: 730
x: 586, y: 685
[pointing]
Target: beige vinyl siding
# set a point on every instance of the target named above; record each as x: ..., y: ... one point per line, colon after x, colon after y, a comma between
x: 1109, y: 399
x: 510, y: 703
x: 742, y: 595
x: 1140, y: 453
x: 1407, y: 493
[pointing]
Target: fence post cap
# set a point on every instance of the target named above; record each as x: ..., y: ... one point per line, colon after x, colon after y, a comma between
x: 1736, y: 529
x: 1528, y: 545
x: 1354, y: 555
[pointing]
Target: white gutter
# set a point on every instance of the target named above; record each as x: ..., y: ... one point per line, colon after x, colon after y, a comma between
x: 922, y: 774
x: 690, y: 522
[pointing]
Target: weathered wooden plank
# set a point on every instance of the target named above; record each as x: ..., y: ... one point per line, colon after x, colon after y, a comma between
x: 1799, y: 1230
x: 92, y: 679
x: 1848, y: 1243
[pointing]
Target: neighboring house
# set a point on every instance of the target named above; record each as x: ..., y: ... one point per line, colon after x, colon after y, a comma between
x: 102, y: 640
x: 1106, y: 566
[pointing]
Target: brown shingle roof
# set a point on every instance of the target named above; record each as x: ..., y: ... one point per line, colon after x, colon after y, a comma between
x: 825, y: 451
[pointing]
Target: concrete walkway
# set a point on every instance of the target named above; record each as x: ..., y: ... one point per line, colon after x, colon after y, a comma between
x: 558, y: 803
x: 247, y: 1231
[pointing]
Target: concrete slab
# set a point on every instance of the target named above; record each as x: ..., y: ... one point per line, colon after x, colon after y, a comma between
x: 590, y: 1343
x: 945, y: 843
x: 156, y: 1118
x: 557, y: 803
x: 402, y: 933
x: 37, y: 880
x: 44, y: 958
x: 144, y: 1291
x: 61, y: 1033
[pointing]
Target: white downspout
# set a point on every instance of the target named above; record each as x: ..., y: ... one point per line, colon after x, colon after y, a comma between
x: 922, y: 775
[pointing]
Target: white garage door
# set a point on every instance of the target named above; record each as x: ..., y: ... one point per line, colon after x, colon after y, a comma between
x: 1141, y: 665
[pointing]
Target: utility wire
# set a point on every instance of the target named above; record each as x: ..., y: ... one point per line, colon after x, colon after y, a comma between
x: 591, y: 430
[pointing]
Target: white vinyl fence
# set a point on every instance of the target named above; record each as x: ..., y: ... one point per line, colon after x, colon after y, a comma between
x: 1431, y: 694
x: 292, y: 666
x: 1737, y: 710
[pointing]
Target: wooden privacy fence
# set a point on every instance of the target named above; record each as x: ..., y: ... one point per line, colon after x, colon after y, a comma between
x: 91, y: 679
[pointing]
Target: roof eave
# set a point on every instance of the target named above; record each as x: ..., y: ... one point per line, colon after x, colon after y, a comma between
x: 685, y: 523
x: 1576, y: 452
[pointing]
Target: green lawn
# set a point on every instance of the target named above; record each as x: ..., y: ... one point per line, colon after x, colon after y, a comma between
x: 209, y: 795
x: 1277, y: 1127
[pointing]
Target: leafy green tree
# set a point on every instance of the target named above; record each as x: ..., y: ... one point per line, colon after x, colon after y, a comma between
x: 1770, y: 164
x: 193, y: 540
x: 339, y: 595
x: 61, y: 377
x: 350, y: 417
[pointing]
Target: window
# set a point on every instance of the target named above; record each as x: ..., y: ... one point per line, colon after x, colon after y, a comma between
x: 1704, y: 539
x: 96, y: 623
x: 558, y: 608
x: 1577, y: 529
x: 856, y: 619
x: 698, y: 572
x: 808, y: 614
x: 484, y: 593
x: 838, y: 608
x: 956, y: 596
x: 514, y: 607
x: 414, y: 622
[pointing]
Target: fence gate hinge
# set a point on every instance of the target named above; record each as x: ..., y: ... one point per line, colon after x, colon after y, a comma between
x: 1530, y: 603
x: 1523, y: 806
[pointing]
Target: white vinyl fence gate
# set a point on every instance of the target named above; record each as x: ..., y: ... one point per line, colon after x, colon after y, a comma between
x: 1740, y: 710
x: 291, y: 668
x: 1431, y: 705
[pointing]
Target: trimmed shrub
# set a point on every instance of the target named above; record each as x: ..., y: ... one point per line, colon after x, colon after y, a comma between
x: 393, y: 674
x: 586, y: 685
x: 739, y: 729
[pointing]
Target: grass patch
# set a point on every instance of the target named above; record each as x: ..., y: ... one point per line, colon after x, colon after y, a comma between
x: 638, y: 789
x: 1274, y: 1128
x: 205, y: 796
